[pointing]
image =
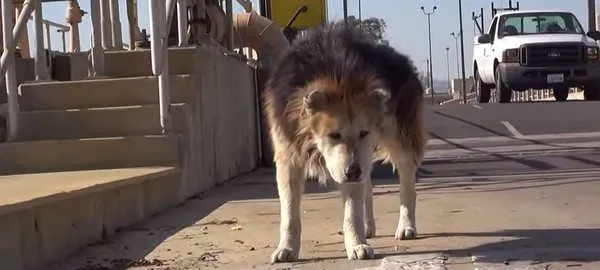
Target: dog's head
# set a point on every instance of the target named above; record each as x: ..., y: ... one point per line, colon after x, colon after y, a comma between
x: 344, y: 128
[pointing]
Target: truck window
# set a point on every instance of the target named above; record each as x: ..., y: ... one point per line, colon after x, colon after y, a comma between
x: 538, y: 23
x: 492, y: 30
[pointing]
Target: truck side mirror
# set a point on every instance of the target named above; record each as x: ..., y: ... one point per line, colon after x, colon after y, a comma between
x: 485, y: 38
x: 595, y: 35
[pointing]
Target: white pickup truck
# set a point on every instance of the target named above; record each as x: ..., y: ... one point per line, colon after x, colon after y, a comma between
x: 535, y: 49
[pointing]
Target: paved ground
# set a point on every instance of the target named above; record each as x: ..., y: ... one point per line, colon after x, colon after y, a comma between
x: 491, y: 203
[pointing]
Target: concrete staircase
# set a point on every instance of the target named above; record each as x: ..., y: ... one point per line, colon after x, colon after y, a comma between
x: 90, y: 158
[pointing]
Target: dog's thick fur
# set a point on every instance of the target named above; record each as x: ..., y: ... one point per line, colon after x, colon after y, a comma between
x: 338, y: 99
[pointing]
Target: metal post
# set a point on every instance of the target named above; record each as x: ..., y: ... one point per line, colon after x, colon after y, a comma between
x: 229, y: 12
x: 11, y: 72
x: 41, y: 70
x: 48, y: 40
x: 360, y: 12
x: 160, y: 59
x: 97, y: 49
x: 591, y: 15
x: 105, y: 27
x: 64, y: 39
x: 117, y: 37
x: 448, y: 69
x: 428, y: 14
x: 457, y: 54
x: 462, y: 53
x: 345, y: 10
x: 182, y: 22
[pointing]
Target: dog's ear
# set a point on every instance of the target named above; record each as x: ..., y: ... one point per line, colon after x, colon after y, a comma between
x: 315, y: 101
x: 380, y: 98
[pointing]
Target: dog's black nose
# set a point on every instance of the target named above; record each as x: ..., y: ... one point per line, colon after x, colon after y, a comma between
x: 353, y: 172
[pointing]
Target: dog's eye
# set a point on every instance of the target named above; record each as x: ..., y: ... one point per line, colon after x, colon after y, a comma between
x: 363, y: 134
x: 335, y: 135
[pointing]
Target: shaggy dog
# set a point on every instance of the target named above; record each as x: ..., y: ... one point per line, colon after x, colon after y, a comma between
x: 336, y: 102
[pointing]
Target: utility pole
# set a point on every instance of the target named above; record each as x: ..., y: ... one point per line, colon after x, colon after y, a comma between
x: 462, y: 53
x: 428, y: 14
x: 591, y: 15
x: 448, y: 69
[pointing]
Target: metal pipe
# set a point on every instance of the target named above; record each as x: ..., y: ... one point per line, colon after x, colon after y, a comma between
x: 160, y: 60
x: 117, y: 37
x: 182, y: 22
x: 15, y: 32
x: 41, y: 70
x: 97, y: 49
x: 11, y: 72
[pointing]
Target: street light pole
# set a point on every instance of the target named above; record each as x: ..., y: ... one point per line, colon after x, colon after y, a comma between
x: 448, y: 69
x: 428, y: 14
x: 462, y: 53
x: 455, y: 36
x: 345, y: 10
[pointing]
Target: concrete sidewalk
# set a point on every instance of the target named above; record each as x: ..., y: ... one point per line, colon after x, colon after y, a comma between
x: 520, y: 223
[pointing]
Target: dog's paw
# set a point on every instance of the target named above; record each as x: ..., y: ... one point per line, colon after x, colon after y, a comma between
x: 284, y: 254
x: 360, y: 252
x: 369, y: 230
x: 406, y: 232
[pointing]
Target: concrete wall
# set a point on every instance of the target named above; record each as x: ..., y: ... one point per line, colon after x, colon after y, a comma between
x: 223, y: 135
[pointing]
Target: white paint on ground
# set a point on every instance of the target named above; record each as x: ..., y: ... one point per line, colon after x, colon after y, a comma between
x: 441, y: 153
x: 477, y: 107
x: 501, y: 139
x: 512, y: 129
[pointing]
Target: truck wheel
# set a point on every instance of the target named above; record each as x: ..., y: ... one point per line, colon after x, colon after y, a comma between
x: 590, y: 92
x: 503, y: 91
x: 483, y: 91
x: 560, y: 93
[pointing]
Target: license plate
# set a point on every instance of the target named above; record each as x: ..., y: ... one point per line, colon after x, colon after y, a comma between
x: 555, y: 78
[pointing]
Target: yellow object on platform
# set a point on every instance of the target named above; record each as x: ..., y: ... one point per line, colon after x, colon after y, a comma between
x: 283, y: 10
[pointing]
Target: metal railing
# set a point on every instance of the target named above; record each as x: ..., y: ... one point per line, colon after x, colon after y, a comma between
x: 106, y: 34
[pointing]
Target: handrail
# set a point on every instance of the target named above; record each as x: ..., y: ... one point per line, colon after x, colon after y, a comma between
x: 160, y: 59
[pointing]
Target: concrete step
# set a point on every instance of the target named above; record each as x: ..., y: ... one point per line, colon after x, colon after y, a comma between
x: 138, y: 63
x: 85, y: 154
x: 100, y: 93
x: 97, y: 122
x: 46, y: 217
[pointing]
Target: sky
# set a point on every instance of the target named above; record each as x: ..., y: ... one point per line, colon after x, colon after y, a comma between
x: 406, y: 31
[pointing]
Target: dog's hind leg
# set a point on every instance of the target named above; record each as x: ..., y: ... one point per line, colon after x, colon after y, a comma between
x: 290, y: 186
x: 369, y: 215
x: 354, y: 223
x: 404, y: 163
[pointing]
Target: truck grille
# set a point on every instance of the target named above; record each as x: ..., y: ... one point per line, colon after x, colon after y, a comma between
x: 552, y: 54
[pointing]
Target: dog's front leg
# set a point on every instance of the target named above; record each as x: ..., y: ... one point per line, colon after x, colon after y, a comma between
x: 354, y: 226
x: 290, y: 186
x: 369, y: 214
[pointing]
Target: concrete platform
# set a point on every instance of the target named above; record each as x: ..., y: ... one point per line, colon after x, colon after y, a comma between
x: 48, y: 216
x: 463, y: 224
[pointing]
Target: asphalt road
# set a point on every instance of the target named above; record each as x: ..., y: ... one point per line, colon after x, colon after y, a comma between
x: 490, y: 140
